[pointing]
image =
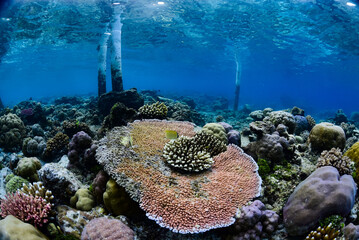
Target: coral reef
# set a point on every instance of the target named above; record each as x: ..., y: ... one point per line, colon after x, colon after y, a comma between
x: 72, y: 221
x: 12, y: 131
x: 72, y: 127
x: 311, y: 121
x: 27, y: 168
x: 216, y: 130
x: 83, y: 200
x: 351, y: 232
x: 301, y: 124
x: 28, y: 208
x: 325, y: 136
x: 117, y: 201
x: 62, y: 183
x: 193, y: 154
x: 353, y: 154
x: 13, y: 183
x: 322, y: 194
x: 104, y: 228
x: 296, y: 111
x: 120, y: 115
x: 38, y: 190
x: 56, y: 146
x: 254, y: 222
x: 156, y: 110
x: 323, y: 233
x: 181, y: 202
x: 12, y: 228
x: 281, y: 117
x: 32, y: 147
x: 81, y: 151
x: 130, y: 98
x: 335, y: 158
x: 340, y: 117
x: 99, y: 185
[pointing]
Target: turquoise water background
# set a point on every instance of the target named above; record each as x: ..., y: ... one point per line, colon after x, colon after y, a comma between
x: 293, y: 53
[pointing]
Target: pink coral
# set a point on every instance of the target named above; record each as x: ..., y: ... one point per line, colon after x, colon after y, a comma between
x: 184, y: 203
x: 104, y: 228
x: 27, y: 208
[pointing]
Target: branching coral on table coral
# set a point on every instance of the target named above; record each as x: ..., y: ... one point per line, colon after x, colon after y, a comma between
x: 184, y: 203
x: 27, y: 208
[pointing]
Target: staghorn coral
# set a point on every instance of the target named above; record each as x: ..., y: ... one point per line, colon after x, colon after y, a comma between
x: 157, y: 110
x: 323, y: 233
x: 27, y: 208
x: 334, y: 158
x: 181, y: 202
x: 193, y: 154
x: 37, y: 190
x: 104, y: 228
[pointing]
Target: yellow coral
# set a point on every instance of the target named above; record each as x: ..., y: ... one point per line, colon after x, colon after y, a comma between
x: 323, y: 233
x: 353, y: 154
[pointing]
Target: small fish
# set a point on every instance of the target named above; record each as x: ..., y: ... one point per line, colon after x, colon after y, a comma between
x: 170, y: 134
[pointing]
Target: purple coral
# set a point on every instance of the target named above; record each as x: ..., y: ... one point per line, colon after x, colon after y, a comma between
x: 27, y: 208
x: 81, y: 150
x: 255, y: 222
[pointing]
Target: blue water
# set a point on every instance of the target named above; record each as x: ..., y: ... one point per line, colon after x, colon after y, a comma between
x: 293, y: 52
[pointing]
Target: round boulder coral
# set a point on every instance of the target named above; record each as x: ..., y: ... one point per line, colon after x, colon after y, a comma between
x: 157, y: 110
x: 27, y: 168
x: 325, y: 136
x: 281, y: 117
x: 216, y: 130
x: 83, y: 200
x: 322, y: 194
x: 104, y: 228
x: 12, y: 131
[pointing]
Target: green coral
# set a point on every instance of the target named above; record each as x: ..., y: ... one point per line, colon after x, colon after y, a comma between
x: 83, y: 200
x: 193, y: 154
x: 14, y: 183
x: 335, y: 220
x: 264, y: 168
x: 353, y: 154
x: 27, y: 168
x: 217, y: 130
x: 157, y: 110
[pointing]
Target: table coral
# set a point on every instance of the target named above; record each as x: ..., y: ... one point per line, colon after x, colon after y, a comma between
x: 184, y: 203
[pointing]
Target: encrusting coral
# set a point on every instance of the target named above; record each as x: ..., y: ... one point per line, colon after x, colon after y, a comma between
x: 184, y: 203
x: 193, y: 154
x: 157, y: 111
x: 335, y: 158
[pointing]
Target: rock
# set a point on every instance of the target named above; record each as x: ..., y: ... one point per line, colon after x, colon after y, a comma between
x: 322, y: 194
x: 130, y: 98
x: 12, y: 228
x: 62, y: 182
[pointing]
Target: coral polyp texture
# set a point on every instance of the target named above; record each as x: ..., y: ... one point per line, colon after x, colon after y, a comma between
x: 323, y: 233
x: 335, y: 158
x: 27, y: 208
x: 184, y: 203
x: 193, y: 154
x: 157, y: 110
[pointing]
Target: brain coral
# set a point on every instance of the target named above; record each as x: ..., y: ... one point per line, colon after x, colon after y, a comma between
x: 184, y: 203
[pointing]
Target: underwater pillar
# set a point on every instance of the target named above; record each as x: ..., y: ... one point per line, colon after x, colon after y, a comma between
x: 116, y: 59
x: 102, y: 57
x: 238, y: 81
